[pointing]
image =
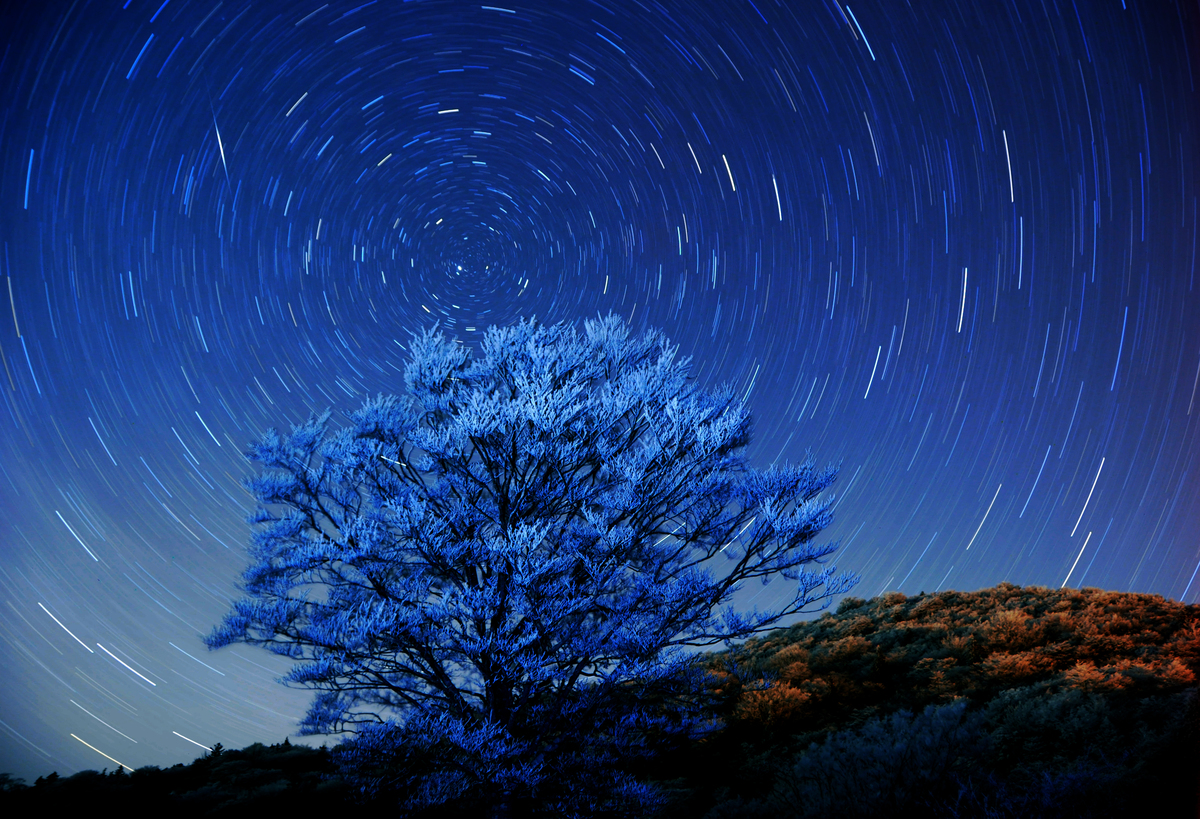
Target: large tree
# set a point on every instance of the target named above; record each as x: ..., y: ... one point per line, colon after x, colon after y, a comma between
x: 496, y: 583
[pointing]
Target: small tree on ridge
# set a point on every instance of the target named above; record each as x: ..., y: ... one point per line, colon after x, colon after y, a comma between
x: 493, y: 582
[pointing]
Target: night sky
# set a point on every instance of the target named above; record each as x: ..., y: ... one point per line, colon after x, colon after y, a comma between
x: 950, y: 245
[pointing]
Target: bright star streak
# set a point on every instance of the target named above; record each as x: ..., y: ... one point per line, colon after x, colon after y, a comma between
x: 106, y: 756
x: 64, y: 628
x: 122, y: 662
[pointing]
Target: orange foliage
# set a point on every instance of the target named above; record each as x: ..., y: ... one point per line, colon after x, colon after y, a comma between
x: 777, y: 704
x: 1015, y: 669
x: 907, y: 652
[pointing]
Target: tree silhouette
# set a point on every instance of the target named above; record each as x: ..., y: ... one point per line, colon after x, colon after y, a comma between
x: 493, y: 582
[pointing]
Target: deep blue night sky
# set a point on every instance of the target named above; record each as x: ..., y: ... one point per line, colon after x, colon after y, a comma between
x: 950, y: 245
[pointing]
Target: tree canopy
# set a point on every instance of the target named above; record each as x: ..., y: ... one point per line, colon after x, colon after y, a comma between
x: 495, y: 582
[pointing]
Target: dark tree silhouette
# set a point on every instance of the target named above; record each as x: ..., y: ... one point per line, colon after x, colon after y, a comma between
x: 493, y: 582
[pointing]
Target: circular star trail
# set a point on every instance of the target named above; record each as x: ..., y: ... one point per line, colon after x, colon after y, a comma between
x: 951, y: 246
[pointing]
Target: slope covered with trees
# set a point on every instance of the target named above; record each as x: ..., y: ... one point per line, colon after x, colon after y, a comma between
x: 1006, y: 702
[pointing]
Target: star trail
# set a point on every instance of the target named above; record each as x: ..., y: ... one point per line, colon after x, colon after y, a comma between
x: 948, y: 245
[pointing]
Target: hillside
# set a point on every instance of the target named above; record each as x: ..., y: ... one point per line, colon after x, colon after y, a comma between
x: 1006, y: 702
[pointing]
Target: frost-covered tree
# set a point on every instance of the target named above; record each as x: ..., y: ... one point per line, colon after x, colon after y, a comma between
x: 496, y: 582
